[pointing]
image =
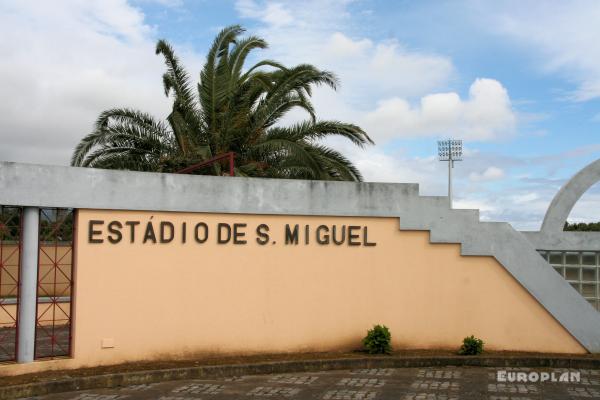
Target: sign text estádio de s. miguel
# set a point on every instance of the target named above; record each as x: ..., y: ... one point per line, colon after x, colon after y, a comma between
x: 163, y: 232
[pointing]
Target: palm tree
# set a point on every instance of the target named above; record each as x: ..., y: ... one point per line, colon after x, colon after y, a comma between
x: 233, y: 110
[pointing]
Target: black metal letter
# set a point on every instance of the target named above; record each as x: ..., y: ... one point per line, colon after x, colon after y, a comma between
x: 197, y: 228
x: 238, y: 237
x: 163, y: 225
x: 114, y: 227
x: 92, y: 232
x: 263, y: 236
x: 366, y: 238
x: 220, y: 239
x: 291, y: 237
x: 353, y: 236
x: 325, y: 238
x: 149, y: 235
x: 132, y: 225
x: 334, y: 236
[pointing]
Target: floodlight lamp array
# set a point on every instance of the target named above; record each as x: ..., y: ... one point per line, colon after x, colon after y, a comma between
x: 450, y: 150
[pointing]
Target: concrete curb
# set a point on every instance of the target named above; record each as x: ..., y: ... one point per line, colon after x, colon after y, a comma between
x: 219, y: 371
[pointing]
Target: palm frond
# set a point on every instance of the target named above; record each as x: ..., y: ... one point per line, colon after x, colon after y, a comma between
x: 212, y: 88
x: 235, y: 109
x: 312, y: 131
x: 176, y: 78
x: 241, y: 51
x: 121, y: 121
x: 263, y: 63
x: 336, y: 165
x: 282, y: 147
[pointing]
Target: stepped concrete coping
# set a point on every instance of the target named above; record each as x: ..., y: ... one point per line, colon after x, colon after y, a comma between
x: 55, y: 186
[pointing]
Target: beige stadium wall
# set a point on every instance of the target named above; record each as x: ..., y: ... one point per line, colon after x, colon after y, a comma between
x: 170, y: 301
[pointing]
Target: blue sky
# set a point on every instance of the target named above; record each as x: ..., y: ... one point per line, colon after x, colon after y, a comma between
x: 519, y: 81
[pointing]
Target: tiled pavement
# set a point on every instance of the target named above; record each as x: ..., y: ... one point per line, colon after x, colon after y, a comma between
x: 447, y: 383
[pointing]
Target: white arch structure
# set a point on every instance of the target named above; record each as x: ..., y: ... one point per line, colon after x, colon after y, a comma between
x: 568, y: 195
x: 551, y: 236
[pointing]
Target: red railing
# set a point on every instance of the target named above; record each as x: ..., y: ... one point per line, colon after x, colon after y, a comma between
x: 230, y: 156
x: 55, y: 283
x: 10, y: 270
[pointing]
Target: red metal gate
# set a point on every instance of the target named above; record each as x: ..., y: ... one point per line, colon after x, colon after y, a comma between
x: 55, y: 283
x: 10, y: 269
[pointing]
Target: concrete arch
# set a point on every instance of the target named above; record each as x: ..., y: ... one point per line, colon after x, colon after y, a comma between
x: 567, y: 197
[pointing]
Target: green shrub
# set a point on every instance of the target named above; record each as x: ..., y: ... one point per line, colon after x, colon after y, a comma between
x: 471, y: 346
x: 378, y: 340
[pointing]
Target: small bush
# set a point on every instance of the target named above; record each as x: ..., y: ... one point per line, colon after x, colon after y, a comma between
x: 378, y: 340
x: 471, y: 346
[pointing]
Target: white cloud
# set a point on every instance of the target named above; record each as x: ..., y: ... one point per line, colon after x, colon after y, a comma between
x: 166, y: 3
x: 586, y: 209
x: 386, y: 67
x: 525, y: 198
x: 486, y: 115
x: 273, y: 14
x: 341, y: 46
x: 315, y: 31
x: 65, y: 62
x: 563, y: 34
x: 381, y: 79
x: 490, y: 174
x: 377, y: 166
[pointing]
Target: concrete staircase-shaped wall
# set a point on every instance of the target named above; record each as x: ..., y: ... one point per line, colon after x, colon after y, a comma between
x: 515, y: 253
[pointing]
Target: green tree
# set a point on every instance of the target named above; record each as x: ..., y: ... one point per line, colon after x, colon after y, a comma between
x: 232, y: 110
x: 582, y: 226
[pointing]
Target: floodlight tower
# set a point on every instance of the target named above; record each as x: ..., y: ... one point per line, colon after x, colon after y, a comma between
x: 450, y: 150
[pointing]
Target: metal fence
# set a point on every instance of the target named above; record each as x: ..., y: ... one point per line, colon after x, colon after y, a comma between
x: 55, y: 283
x: 10, y: 256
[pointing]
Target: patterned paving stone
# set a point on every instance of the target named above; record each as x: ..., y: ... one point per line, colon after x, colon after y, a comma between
x: 584, y: 392
x: 349, y: 395
x: 138, y: 388
x: 199, y: 388
x: 268, y: 391
x: 294, y: 379
x: 429, y: 396
x: 178, y: 398
x: 512, y: 388
x: 446, y: 373
x: 593, y: 372
x: 361, y: 382
x: 435, y: 385
x: 589, y: 380
x: 93, y: 396
x: 373, y: 371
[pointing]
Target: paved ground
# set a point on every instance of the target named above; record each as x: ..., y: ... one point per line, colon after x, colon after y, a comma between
x: 400, y: 384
